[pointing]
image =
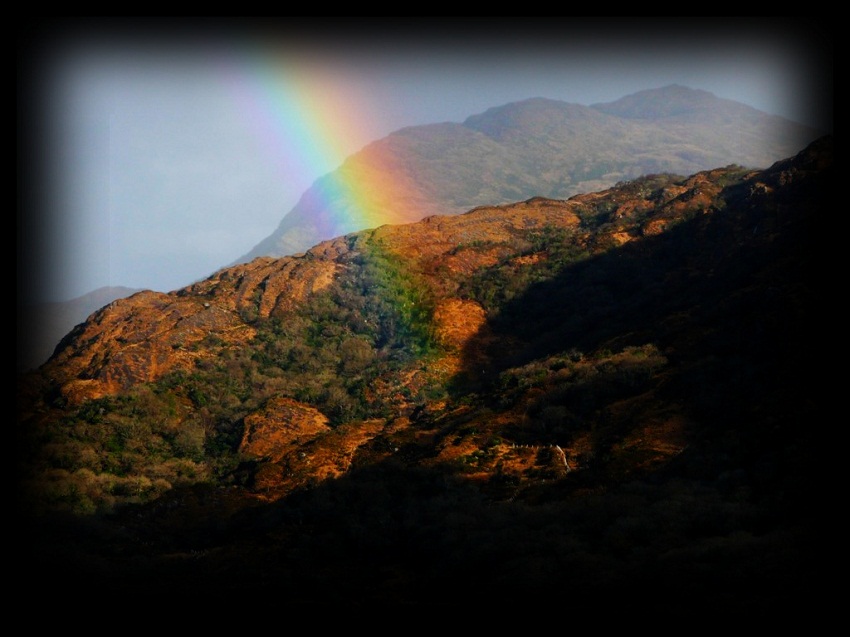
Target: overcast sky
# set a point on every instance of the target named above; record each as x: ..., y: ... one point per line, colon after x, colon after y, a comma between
x: 154, y: 156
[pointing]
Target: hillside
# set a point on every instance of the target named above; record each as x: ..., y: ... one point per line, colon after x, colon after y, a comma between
x: 537, y: 147
x: 597, y: 401
x: 42, y: 325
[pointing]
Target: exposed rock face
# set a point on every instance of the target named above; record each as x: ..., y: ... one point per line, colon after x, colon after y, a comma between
x: 142, y: 337
x: 282, y: 425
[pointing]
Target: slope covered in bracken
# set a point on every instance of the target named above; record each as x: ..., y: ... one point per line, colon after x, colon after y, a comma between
x: 597, y: 400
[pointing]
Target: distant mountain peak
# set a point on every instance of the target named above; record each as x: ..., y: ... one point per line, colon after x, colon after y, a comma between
x: 667, y: 101
x: 533, y: 147
x: 494, y: 122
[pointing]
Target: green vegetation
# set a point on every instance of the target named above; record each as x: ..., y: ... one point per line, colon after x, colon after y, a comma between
x: 631, y: 427
x: 495, y: 286
x: 372, y: 323
x: 345, y: 351
x: 124, y: 449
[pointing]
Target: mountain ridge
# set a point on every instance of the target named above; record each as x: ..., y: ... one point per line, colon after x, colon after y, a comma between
x: 537, y: 147
x: 673, y: 100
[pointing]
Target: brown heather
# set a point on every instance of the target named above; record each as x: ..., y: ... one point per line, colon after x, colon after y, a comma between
x: 573, y: 401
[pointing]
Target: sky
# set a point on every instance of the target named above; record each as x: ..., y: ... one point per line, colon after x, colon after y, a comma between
x: 152, y: 154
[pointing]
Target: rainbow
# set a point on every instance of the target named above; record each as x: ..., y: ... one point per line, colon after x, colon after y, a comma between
x: 306, y: 115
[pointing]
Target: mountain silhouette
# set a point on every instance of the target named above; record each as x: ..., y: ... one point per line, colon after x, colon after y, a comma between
x: 536, y: 147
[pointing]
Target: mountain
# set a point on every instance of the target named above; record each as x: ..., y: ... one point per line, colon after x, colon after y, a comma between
x: 595, y: 403
x: 42, y: 325
x: 537, y: 147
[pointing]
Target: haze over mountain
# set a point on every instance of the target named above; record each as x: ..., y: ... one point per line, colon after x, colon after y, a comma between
x: 537, y: 147
x: 596, y: 402
x: 42, y: 325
